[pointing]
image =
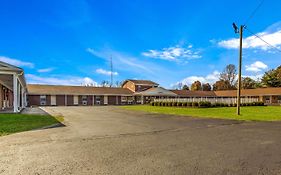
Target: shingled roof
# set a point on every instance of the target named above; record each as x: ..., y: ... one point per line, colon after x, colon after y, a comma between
x: 250, y: 92
x: 157, y: 91
x: 188, y: 93
x: 229, y: 93
x: 36, y: 89
x: 142, y: 82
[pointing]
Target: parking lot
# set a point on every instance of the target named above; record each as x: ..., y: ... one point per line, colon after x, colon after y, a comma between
x: 111, y: 140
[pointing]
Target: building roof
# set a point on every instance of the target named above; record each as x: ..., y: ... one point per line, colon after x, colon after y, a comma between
x: 250, y: 92
x: 6, y: 74
x: 157, y: 91
x: 229, y: 93
x: 36, y: 89
x: 188, y: 93
x: 141, y: 82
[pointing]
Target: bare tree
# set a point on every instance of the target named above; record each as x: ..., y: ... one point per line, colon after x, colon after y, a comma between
x: 229, y: 76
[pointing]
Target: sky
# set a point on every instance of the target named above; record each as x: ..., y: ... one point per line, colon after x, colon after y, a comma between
x: 70, y: 42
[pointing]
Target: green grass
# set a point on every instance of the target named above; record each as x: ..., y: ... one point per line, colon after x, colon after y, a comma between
x: 257, y: 113
x: 12, y: 123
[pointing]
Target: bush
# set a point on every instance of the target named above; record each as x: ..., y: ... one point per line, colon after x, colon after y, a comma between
x: 170, y: 103
x: 189, y: 104
x: 260, y: 103
x: 204, y: 104
x: 179, y: 104
x: 194, y: 104
x: 184, y: 104
x: 174, y: 103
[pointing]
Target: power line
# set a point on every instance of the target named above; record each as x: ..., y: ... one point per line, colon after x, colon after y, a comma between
x: 272, y: 46
x: 254, y: 12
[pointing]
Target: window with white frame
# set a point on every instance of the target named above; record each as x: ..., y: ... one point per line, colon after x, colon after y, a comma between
x: 43, y: 100
x: 98, y: 100
x: 84, y: 99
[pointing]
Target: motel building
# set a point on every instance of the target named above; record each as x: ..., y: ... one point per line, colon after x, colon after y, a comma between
x: 15, y: 94
x: 13, y: 91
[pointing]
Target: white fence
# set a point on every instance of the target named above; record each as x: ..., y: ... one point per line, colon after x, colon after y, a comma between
x: 213, y: 100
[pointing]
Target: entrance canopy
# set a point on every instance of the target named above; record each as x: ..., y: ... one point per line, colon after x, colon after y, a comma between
x: 13, y: 87
x: 157, y: 91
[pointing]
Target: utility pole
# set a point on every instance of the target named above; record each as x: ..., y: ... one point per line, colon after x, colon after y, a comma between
x: 111, y: 72
x: 239, y: 66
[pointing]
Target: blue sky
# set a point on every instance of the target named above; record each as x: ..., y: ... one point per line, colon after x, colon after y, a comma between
x: 71, y: 41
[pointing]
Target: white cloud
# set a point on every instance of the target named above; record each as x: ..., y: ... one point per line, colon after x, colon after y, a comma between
x: 67, y: 80
x: 256, y: 67
x: 210, y: 78
x: 272, y: 35
x: 254, y: 77
x: 174, y: 53
x: 45, y: 70
x: 105, y: 72
x: 16, y: 62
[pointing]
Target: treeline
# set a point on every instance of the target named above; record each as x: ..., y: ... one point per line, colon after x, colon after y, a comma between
x: 228, y: 81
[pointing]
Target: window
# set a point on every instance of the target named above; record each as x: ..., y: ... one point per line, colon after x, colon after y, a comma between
x: 123, y: 99
x: 42, y: 99
x: 98, y: 100
x: 279, y: 99
x: 84, y: 100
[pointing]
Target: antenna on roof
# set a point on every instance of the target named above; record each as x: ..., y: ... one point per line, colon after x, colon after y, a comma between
x: 111, y: 71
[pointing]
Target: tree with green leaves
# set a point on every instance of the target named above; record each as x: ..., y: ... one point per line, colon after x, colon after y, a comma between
x: 221, y: 85
x: 206, y: 87
x: 272, y: 78
x: 248, y: 83
x: 196, y: 86
x: 185, y: 87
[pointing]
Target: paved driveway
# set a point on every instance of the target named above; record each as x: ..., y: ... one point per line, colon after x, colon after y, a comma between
x: 109, y: 140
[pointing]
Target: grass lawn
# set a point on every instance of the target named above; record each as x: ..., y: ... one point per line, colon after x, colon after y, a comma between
x: 258, y: 113
x: 12, y: 123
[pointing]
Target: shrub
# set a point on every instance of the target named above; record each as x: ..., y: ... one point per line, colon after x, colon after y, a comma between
x: 174, y: 104
x: 194, y: 104
x: 204, y: 104
x: 179, y: 104
x: 184, y: 104
x: 189, y: 104
x: 152, y: 103
x: 217, y: 104
x: 170, y: 103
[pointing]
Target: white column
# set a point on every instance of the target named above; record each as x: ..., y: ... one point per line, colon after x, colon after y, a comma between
x: 22, y: 98
x: 15, y: 92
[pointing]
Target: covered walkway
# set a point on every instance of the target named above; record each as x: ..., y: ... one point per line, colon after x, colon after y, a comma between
x: 13, y: 89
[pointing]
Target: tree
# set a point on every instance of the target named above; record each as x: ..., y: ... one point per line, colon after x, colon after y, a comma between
x: 221, y: 85
x: 185, y: 87
x: 118, y: 83
x: 179, y: 86
x: 105, y: 83
x: 272, y: 78
x: 206, y: 87
x: 248, y: 83
x: 229, y: 76
x: 196, y: 86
